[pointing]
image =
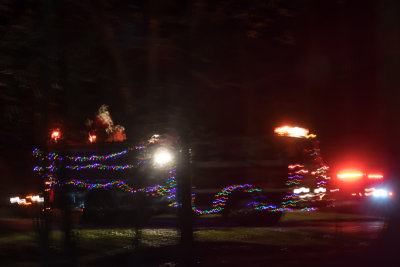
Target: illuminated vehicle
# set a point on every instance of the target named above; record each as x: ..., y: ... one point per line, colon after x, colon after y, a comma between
x: 365, y: 191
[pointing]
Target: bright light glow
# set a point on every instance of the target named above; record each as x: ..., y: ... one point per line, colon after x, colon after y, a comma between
x: 92, y: 138
x: 380, y: 193
x: 377, y: 192
x: 37, y: 199
x: 22, y: 201
x: 162, y: 157
x: 290, y: 131
x: 55, y: 135
x: 295, y: 166
x: 334, y: 190
x: 369, y: 191
x: 320, y: 190
x: 350, y: 176
x: 14, y: 199
x: 301, y: 190
x: 375, y: 176
x: 306, y: 195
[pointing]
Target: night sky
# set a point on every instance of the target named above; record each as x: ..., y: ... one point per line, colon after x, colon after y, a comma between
x: 220, y: 68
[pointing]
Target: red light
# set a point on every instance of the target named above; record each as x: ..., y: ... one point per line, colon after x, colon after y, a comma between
x: 390, y: 194
x: 375, y: 176
x: 350, y: 175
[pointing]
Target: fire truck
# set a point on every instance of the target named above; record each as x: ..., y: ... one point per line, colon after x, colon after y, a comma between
x: 362, y: 191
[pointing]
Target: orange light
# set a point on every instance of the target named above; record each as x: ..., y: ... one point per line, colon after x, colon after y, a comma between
x: 295, y: 165
x: 290, y: 131
x: 92, y: 138
x: 375, y: 176
x: 353, y: 194
x: 390, y: 194
x: 350, y: 176
x: 55, y: 135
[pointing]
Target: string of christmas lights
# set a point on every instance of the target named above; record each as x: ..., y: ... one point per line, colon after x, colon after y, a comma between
x: 121, y: 185
x: 54, y: 156
x: 99, y: 166
x: 168, y: 190
x: 294, y: 179
x: 42, y: 155
x: 104, y: 157
x: 321, y: 173
x: 222, y: 197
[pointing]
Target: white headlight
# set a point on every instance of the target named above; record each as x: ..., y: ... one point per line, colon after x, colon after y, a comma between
x: 301, y: 190
x: 380, y: 193
x: 320, y: 190
x: 14, y: 199
x: 162, y: 157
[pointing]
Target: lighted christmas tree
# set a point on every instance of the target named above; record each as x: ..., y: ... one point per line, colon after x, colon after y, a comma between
x: 307, y: 178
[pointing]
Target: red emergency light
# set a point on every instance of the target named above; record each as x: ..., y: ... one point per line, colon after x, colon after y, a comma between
x: 350, y: 176
x: 375, y: 176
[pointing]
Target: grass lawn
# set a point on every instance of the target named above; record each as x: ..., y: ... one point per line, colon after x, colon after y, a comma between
x: 233, y: 246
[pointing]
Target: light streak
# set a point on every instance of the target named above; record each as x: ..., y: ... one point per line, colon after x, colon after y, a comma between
x: 28, y: 200
x: 295, y: 166
x: 99, y: 166
x: 369, y: 189
x: 37, y: 153
x: 350, y: 176
x: 306, y: 195
x: 301, y: 190
x: 296, y: 132
x: 375, y: 176
x: 320, y: 190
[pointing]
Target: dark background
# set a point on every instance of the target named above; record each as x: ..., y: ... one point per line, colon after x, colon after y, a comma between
x: 211, y: 69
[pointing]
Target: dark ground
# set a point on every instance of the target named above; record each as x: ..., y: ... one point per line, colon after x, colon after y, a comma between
x: 312, y: 239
